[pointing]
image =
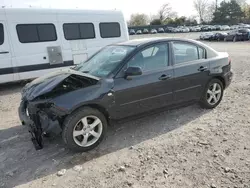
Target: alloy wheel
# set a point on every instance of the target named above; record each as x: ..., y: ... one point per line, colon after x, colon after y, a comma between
x: 214, y: 93
x: 87, y: 131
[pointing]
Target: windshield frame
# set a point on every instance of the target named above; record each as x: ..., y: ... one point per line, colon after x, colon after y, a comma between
x: 113, y: 72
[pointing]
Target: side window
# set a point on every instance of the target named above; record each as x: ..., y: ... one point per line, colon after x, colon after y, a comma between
x: 110, y: 30
x: 202, y: 53
x: 76, y: 31
x: 29, y: 33
x: 1, y: 34
x: 149, y: 52
x: 87, y: 31
x: 46, y: 32
x: 71, y: 31
x: 152, y: 58
x: 185, y: 52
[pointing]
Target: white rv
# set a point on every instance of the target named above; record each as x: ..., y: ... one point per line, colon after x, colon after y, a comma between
x: 34, y: 42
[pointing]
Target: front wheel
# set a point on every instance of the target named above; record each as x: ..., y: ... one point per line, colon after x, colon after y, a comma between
x: 212, y: 94
x: 84, y: 129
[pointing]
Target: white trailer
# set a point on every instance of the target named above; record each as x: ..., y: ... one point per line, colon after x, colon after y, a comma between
x: 34, y: 42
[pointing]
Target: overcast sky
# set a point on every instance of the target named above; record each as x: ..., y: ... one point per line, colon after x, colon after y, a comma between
x: 128, y: 7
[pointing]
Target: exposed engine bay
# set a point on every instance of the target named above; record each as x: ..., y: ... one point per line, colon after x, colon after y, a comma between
x: 37, y: 109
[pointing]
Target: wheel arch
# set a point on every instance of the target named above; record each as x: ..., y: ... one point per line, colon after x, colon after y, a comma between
x: 98, y: 107
x: 221, y: 79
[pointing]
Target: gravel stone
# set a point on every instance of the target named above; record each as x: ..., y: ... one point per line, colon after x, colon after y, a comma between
x: 61, y: 172
x: 77, y: 168
x: 122, y: 169
x: 213, y: 186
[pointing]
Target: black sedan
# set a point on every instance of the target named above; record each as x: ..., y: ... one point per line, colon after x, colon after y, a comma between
x: 238, y: 35
x: 120, y: 81
x: 219, y: 36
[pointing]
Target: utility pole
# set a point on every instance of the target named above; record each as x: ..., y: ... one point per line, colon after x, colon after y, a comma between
x: 216, y: 5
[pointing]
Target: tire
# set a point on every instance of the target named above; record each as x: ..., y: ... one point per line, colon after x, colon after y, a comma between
x: 73, y: 122
x: 204, y: 101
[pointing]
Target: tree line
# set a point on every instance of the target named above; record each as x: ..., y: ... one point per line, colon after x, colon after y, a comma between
x: 215, y: 12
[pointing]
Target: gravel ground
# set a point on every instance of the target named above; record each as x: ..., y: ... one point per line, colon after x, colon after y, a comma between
x: 187, y: 147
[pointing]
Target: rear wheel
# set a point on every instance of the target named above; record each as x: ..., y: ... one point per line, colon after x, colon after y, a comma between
x: 84, y: 129
x: 212, y: 94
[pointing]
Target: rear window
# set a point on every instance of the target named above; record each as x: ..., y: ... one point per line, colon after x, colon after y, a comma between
x: 30, y: 33
x: 1, y: 34
x: 76, y: 31
x: 110, y: 30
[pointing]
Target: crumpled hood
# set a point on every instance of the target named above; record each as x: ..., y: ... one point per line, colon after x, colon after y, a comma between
x: 48, y: 82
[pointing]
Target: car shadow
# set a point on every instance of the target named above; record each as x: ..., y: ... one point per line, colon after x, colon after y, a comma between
x: 20, y: 163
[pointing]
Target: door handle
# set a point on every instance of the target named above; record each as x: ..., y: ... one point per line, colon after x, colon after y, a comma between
x: 164, y: 77
x: 201, y: 69
x: 4, y: 52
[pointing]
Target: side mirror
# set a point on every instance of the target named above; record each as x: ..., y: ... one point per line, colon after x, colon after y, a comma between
x: 133, y: 71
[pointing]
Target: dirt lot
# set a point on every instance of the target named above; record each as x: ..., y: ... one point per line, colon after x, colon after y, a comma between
x: 188, y: 147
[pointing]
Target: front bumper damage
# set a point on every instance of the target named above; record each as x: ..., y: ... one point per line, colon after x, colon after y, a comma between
x: 40, y: 121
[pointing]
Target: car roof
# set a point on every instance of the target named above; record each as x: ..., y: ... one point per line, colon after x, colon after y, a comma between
x: 144, y: 41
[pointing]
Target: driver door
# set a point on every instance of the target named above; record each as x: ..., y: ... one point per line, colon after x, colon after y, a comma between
x: 151, y: 90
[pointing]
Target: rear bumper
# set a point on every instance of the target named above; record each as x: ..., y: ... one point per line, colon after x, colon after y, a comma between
x: 228, y: 78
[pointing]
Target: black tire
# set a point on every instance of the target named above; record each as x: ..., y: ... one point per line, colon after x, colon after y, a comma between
x: 70, y: 123
x: 203, y: 101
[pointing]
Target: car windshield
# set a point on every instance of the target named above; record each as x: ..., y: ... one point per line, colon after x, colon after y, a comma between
x: 105, y: 61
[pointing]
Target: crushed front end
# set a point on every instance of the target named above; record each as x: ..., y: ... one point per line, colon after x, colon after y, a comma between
x: 40, y: 118
x: 45, y: 100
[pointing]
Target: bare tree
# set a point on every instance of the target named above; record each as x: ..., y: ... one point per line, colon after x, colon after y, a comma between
x: 201, y: 7
x: 166, y: 12
x: 209, y: 12
x: 138, y: 20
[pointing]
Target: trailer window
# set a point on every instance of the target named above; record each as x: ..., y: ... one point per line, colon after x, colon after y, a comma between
x: 1, y: 34
x: 76, y: 31
x: 29, y: 33
x: 110, y: 30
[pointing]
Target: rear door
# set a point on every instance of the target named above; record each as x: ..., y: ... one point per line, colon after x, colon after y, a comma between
x: 191, y: 71
x: 6, y: 68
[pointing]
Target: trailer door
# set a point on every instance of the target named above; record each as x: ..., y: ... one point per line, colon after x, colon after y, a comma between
x: 6, y: 68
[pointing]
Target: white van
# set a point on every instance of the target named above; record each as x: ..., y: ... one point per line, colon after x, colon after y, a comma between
x: 34, y: 42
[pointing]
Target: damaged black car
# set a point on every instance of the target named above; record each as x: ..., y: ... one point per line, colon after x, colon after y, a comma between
x: 120, y: 81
